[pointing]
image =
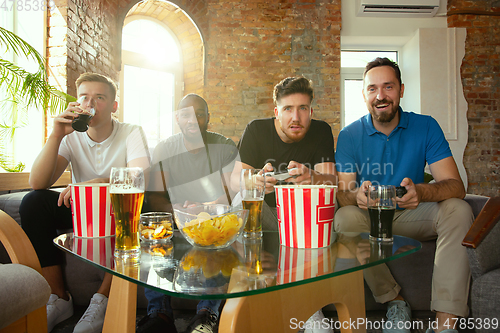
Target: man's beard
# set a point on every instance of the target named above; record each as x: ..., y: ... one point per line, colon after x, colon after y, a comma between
x: 295, y: 138
x: 383, y: 117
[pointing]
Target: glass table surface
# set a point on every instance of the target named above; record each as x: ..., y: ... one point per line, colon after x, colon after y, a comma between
x: 245, y: 268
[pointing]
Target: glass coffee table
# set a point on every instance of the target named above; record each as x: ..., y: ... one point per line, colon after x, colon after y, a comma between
x: 266, y: 285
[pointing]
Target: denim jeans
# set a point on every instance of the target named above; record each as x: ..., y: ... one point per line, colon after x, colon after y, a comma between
x: 160, y: 303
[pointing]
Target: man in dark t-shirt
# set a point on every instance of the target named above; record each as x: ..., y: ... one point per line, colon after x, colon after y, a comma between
x: 290, y: 139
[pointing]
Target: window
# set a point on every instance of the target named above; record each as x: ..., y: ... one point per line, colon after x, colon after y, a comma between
x: 352, y: 65
x: 151, y: 77
x: 28, y: 139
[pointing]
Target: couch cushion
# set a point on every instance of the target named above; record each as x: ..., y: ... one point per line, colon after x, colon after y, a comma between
x: 484, y: 296
x: 10, y: 202
x: 23, y: 289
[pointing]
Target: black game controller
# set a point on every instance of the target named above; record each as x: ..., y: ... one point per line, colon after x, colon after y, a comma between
x: 400, y: 191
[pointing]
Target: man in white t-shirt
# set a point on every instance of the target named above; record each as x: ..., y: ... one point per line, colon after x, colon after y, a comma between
x: 107, y: 143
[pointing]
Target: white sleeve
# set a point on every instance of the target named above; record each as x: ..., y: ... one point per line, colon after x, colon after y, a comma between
x: 64, y: 150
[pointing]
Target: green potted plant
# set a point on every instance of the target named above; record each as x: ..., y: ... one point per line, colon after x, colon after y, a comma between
x: 22, y: 89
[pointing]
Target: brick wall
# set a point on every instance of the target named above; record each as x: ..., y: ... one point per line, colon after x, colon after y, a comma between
x: 251, y: 45
x: 82, y: 38
x: 481, y: 83
x: 255, y: 44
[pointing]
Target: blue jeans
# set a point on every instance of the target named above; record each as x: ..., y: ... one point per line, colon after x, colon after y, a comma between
x: 160, y: 303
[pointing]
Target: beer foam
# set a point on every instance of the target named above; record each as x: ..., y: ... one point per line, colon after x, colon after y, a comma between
x: 124, y: 189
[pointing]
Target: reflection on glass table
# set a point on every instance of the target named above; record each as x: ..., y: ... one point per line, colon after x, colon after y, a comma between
x: 257, y: 276
x: 179, y: 269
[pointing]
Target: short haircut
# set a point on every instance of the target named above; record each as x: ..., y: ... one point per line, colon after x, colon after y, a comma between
x: 193, y: 96
x: 293, y: 85
x: 377, y: 62
x: 94, y: 77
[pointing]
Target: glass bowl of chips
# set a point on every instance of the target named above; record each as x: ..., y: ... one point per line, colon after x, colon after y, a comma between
x: 211, y: 226
x: 155, y: 227
x: 204, y: 271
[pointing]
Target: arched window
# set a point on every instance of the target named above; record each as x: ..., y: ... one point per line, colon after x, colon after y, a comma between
x: 151, y: 76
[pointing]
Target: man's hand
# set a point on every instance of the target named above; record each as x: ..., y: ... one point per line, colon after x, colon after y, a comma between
x: 62, y: 122
x: 270, y: 181
x: 411, y: 199
x: 303, y: 175
x: 361, y: 196
x: 64, y: 197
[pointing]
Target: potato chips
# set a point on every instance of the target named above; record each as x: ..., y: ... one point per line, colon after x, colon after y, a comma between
x: 211, y: 263
x: 206, y: 230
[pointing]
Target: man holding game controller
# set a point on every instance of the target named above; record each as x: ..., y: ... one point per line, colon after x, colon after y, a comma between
x: 391, y: 147
x: 290, y: 143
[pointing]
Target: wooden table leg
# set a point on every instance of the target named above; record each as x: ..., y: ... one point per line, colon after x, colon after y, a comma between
x: 283, y: 310
x: 121, y: 310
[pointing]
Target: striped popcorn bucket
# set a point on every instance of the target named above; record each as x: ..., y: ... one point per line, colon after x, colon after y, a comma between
x: 91, y: 210
x: 97, y: 250
x: 305, y: 215
x: 299, y: 264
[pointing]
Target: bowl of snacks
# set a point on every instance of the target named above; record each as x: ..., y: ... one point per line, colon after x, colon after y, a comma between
x: 211, y: 226
x: 155, y: 227
x: 203, y: 271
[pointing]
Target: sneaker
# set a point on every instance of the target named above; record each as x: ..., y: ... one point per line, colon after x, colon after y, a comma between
x: 317, y: 323
x: 203, y: 322
x: 58, y: 310
x: 155, y: 324
x: 398, y: 314
x: 93, y: 319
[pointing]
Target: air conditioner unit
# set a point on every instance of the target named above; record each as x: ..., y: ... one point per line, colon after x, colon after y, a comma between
x: 398, y: 8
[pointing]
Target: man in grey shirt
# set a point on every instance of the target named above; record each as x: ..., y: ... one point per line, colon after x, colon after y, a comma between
x: 190, y: 167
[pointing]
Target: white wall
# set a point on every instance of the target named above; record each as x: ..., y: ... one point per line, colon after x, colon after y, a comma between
x: 430, y: 56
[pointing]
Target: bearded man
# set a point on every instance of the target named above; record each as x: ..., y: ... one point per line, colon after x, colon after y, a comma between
x: 389, y: 146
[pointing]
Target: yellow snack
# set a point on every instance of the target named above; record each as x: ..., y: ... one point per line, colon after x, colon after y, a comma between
x: 211, y: 264
x: 156, y: 231
x: 205, y: 230
x: 159, y: 232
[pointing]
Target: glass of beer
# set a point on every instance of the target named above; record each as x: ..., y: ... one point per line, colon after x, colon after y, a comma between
x: 127, y: 195
x: 253, y: 254
x: 253, y: 189
x: 381, y: 208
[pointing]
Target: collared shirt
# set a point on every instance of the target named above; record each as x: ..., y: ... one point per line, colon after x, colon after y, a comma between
x: 374, y: 156
x: 90, y: 159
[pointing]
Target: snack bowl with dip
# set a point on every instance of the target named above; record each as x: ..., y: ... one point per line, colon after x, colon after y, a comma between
x: 211, y: 226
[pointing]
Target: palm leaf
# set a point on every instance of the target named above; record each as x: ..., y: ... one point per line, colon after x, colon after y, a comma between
x: 22, y: 89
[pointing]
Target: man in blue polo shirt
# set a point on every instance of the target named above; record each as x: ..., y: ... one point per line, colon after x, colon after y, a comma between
x: 391, y: 147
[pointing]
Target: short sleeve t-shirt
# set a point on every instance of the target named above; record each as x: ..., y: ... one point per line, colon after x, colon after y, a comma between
x: 90, y: 159
x: 374, y: 156
x: 194, y: 176
x: 261, y: 144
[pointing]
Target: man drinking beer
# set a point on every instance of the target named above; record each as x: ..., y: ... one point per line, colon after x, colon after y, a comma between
x: 107, y: 143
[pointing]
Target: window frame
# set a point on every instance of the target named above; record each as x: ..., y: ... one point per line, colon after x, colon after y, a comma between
x: 138, y: 60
